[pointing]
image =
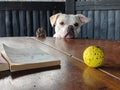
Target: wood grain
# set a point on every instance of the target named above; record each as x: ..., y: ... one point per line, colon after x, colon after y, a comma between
x: 72, y: 75
x: 75, y: 48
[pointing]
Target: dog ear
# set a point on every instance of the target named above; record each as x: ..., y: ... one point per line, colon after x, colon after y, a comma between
x: 83, y: 19
x: 53, y: 19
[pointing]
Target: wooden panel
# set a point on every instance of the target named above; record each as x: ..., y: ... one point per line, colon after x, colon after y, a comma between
x: 15, y: 23
x: 36, y: 23
x: 29, y: 22
x: 104, y: 25
x: 117, y: 25
x: 49, y: 29
x: 104, y: 15
x: 70, y: 6
x: 43, y: 20
x: 8, y: 21
x: 22, y: 19
x: 31, y: 5
x: 90, y: 29
x: 97, y: 24
x: 97, y: 5
x: 111, y: 25
x: 2, y: 23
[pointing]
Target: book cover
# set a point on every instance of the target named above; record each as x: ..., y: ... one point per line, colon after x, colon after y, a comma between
x: 3, y: 64
x: 28, y: 58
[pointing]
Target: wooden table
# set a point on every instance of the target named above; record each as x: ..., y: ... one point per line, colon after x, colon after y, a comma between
x: 73, y: 73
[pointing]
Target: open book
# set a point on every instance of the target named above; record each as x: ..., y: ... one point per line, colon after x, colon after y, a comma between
x: 28, y: 58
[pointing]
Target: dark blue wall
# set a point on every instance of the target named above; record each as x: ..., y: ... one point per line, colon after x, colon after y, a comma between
x: 23, y: 18
x: 104, y: 15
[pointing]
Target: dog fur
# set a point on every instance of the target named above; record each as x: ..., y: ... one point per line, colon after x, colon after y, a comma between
x: 67, y: 25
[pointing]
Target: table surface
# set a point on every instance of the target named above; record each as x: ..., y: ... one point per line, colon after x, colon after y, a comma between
x: 73, y: 73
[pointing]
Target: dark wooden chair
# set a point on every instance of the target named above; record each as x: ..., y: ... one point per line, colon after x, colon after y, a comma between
x: 23, y: 18
x: 104, y: 15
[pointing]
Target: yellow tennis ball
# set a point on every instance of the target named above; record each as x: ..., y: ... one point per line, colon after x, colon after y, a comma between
x: 93, y: 56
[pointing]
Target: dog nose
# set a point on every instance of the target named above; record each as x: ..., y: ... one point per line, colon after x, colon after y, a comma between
x: 70, y: 28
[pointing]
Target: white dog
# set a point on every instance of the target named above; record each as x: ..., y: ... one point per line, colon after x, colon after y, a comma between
x: 67, y: 25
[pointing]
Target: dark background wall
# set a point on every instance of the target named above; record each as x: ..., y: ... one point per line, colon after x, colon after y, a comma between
x: 23, y: 18
x: 104, y: 15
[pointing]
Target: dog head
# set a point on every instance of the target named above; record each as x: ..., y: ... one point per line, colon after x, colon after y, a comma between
x: 67, y: 25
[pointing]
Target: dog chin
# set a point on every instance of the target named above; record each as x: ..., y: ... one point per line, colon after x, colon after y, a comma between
x: 66, y: 36
x: 69, y: 37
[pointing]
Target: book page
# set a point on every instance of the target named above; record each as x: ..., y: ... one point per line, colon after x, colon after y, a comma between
x: 27, y: 55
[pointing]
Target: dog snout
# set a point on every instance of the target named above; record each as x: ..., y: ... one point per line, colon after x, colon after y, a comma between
x: 70, y: 28
x: 70, y: 32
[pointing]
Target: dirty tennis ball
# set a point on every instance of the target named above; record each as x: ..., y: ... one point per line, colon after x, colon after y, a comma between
x: 93, y: 56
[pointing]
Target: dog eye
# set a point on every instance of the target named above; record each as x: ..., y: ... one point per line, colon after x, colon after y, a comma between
x: 76, y: 24
x: 62, y: 23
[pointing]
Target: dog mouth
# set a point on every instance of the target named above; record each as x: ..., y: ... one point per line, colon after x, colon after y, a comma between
x: 70, y: 35
x: 70, y: 32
